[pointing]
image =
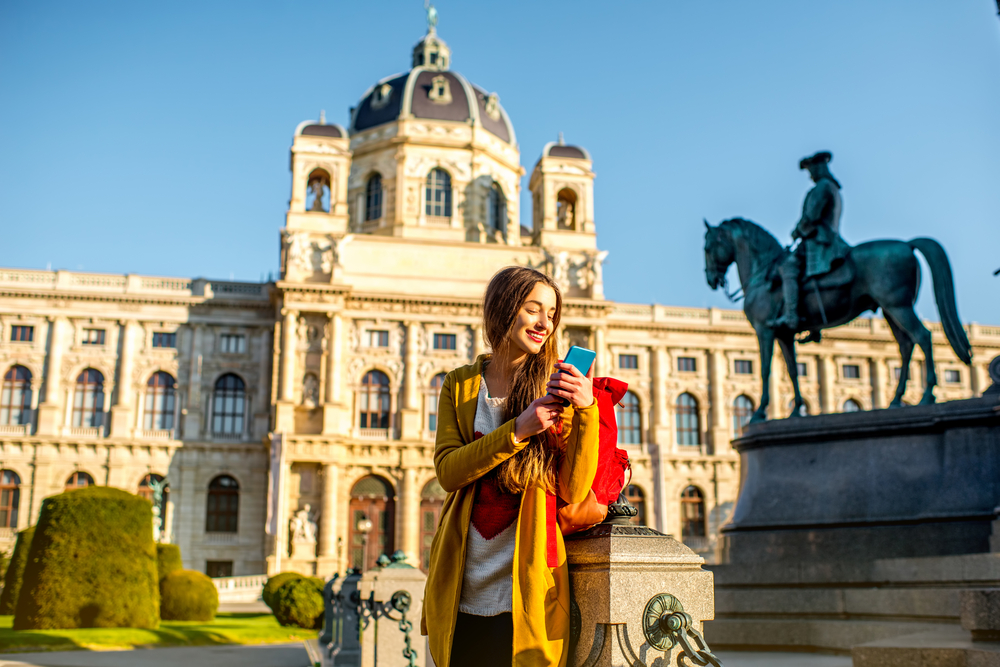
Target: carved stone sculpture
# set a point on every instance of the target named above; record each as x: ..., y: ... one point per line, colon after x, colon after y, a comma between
x: 303, y: 526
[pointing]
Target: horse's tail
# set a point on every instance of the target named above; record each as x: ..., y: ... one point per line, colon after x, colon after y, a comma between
x: 944, y: 295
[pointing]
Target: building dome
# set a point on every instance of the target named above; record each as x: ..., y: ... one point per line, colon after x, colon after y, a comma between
x: 320, y: 128
x: 563, y: 150
x: 430, y: 90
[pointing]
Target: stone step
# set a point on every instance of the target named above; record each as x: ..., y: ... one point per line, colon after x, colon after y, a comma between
x: 936, y: 604
x: 791, y: 634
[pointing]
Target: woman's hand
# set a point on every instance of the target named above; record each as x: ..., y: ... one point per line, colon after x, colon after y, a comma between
x: 573, y: 385
x: 540, y: 415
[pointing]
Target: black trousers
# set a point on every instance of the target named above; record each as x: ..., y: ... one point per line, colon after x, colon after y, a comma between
x: 483, y: 641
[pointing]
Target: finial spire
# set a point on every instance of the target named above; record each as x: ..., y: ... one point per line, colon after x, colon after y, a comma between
x: 322, y: 116
x: 561, y: 141
x: 432, y: 17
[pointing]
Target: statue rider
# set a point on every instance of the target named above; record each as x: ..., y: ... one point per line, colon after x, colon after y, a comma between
x: 821, y: 249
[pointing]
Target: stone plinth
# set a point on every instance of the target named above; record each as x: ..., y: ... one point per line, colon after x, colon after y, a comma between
x: 384, y: 581
x: 911, y: 482
x: 615, y: 570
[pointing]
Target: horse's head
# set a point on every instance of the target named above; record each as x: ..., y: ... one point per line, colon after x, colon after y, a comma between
x: 719, y: 254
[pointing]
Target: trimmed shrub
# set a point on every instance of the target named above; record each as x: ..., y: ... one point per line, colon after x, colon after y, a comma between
x: 15, y: 572
x: 92, y: 563
x: 298, y: 602
x: 188, y: 595
x: 168, y: 559
x: 276, y: 582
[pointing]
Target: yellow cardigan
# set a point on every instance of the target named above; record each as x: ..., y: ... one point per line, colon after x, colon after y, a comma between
x: 541, y: 594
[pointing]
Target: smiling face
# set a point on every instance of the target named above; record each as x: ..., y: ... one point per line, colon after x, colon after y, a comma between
x: 534, y: 321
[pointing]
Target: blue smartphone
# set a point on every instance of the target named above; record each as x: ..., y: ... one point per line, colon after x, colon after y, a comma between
x: 580, y: 358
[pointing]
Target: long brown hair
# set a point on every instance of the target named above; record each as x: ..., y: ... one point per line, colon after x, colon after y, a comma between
x: 505, y: 296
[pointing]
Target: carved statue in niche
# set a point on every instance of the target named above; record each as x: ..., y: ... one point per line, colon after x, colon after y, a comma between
x: 565, y: 213
x: 310, y: 391
x: 308, y: 256
x: 318, y: 185
x: 302, y: 526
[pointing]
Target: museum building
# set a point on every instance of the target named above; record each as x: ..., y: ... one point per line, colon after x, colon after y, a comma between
x: 293, y: 421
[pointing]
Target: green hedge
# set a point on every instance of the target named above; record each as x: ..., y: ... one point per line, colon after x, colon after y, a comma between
x: 92, y: 563
x: 187, y: 595
x: 15, y: 572
x: 276, y: 582
x: 299, y: 602
x: 168, y: 559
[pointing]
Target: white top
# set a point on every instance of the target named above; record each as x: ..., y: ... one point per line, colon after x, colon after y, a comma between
x: 488, y: 581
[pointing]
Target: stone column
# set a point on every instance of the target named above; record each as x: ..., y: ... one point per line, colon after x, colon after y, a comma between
x: 478, y: 344
x: 827, y: 376
x: 288, y: 341
x: 716, y: 378
x: 410, y: 524
x: 193, y: 422
x: 48, y: 412
x: 121, y: 412
x: 328, y: 512
x: 334, y: 358
x: 879, y: 379
x: 601, y: 362
x: 410, y: 426
x: 660, y: 433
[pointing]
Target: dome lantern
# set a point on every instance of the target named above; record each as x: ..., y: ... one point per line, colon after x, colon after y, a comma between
x: 431, y: 52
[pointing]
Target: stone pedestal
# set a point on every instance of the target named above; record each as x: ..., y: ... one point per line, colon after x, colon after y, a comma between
x: 615, y: 570
x: 384, y: 582
x: 304, y: 551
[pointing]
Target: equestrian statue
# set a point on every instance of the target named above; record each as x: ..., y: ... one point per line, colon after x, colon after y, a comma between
x: 823, y: 282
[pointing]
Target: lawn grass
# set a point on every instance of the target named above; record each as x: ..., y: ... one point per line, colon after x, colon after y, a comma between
x: 255, y: 628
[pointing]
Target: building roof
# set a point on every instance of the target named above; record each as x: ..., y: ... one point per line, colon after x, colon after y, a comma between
x: 320, y: 128
x: 559, y: 149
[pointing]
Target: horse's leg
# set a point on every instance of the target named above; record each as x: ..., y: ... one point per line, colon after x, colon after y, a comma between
x: 787, y: 343
x: 906, y: 352
x: 911, y: 324
x: 765, y: 339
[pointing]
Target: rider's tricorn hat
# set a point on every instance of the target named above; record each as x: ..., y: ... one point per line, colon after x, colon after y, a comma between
x: 819, y: 158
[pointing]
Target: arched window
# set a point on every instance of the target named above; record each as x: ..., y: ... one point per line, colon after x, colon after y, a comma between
x: 223, y: 509
x: 629, y: 420
x: 850, y: 405
x: 496, y: 210
x: 692, y: 512
x: 432, y: 401
x: 431, y: 500
x: 10, y: 495
x: 228, y: 405
x: 15, y: 397
x: 318, y: 192
x: 638, y: 500
x: 160, y: 401
x: 146, y: 491
x: 373, y: 198
x: 438, y: 193
x: 371, y: 522
x: 88, y: 399
x: 688, y: 426
x: 373, y: 403
x: 742, y: 412
x: 78, y: 480
x: 566, y: 209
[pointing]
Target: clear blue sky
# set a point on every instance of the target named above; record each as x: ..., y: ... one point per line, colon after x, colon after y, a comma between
x: 153, y: 137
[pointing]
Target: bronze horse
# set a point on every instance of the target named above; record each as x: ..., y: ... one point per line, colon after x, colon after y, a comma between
x: 877, y: 274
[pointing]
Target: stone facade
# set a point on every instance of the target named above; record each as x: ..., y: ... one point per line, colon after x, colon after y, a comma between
x: 393, y: 230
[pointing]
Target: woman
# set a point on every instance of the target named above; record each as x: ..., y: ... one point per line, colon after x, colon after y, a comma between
x: 498, y: 586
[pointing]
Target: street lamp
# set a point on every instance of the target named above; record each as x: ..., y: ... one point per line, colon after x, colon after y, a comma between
x: 364, y: 527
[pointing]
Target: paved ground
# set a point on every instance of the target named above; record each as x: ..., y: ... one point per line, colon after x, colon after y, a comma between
x: 269, y: 655
x: 294, y: 655
x: 782, y: 660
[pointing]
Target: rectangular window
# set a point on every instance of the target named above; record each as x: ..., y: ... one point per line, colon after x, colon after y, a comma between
x: 630, y: 361
x: 22, y: 334
x: 744, y: 367
x: 442, y: 341
x: 852, y: 372
x: 233, y: 343
x: 219, y: 568
x: 378, y: 339
x: 802, y: 369
x: 93, y: 336
x: 896, y: 371
x: 953, y: 377
x: 164, y: 339
x: 687, y: 364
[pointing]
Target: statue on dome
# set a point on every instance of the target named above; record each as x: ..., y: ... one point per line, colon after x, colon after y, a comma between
x: 838, y: 283
x: 432, y: 16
